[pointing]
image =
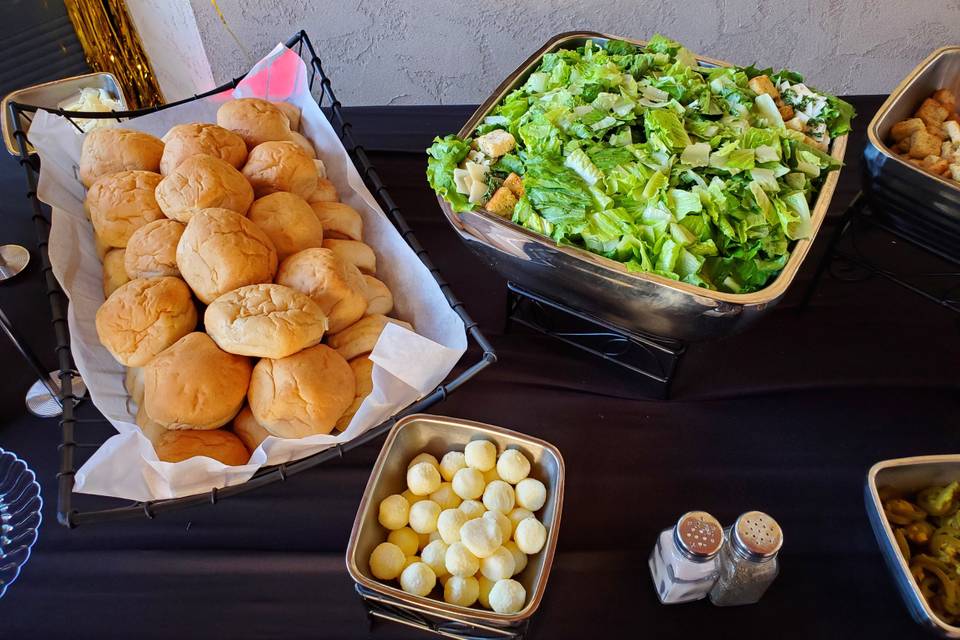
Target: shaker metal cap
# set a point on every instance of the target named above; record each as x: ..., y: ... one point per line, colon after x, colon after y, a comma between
x: 757, y: 535
x: 698, y: 534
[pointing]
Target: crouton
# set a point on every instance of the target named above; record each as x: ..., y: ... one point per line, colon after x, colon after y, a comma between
x: 821, y: 144
x: 953, y: 117
x: 497, y: 143
x: 502, y: 202
x: 952, y: 129
x: 946, y: 98
x: 903, y: 146
x: 762, y: 84
x: 935, y: 164
x: 515, y: 184
x: 915, y: 162
x: 786, y: 112
x: 932, y: 112
x: 922, y: 144
x: 955, y: 171
x: 905, y: 128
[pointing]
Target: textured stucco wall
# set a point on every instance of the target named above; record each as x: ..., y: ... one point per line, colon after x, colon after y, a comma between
x: 442, y: 51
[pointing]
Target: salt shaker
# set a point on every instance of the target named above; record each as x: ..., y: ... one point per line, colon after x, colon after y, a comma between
x: 748, y: 562
x: 683, y: 563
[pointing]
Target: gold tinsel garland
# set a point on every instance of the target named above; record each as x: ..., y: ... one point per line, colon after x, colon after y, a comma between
x: 110, y: 43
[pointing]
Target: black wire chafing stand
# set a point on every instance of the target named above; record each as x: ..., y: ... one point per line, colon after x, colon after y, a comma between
x: 848, y: 259
x: 71, y: 423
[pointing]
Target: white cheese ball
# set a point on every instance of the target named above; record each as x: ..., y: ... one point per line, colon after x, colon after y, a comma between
x: 423, y: 516
x: 460, y: 561
x: 450, y: 463
x: 473, y: 508
x: 424, y: 457
x: 423, y: 479
x: 424, y: 540
x: 499, y: 496
x: 445, y: 497
x: 435, y: 535
x: 407, y: 539
x: 394, y: 512
x: 506, y: 527
x: 386, y: 561
x: 449, y: 523
x: 531, y: 494
x: 517, y: 515
x: 513, y: 466
x: 519, y: 557
x: 410, y: 560
x: 480, y: 454
x: 481, y: 536
x: 468, y: 483
x: 485, y: 586
x: 435, y: 554
x: 499, y: 565
x: 507, y: 596
x: 418, y: 579
x: 461, y: 591
x: 491, y: 475
x: 411, y: 498
x: 530, y: 535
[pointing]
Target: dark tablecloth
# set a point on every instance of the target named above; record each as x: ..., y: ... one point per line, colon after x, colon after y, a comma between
x: 786, y: 418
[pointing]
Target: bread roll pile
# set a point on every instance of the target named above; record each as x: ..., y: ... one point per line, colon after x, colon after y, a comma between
x: 238, y: 289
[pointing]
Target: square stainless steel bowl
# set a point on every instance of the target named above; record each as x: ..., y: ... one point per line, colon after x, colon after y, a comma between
x: 908, y: 475
x: 603, y: 288
x: 921, y: 204
x: 437, y: 435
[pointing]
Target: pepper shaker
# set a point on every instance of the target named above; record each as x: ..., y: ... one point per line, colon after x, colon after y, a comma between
x: 683, y: 563
x: 748, y: 562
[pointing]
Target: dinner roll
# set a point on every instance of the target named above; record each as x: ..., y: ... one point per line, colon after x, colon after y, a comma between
x: 280, y: 166
x: 152, y: 250
x: 337, y: 286
x: 339, y: 220
x: 249, y: 430
x: 304, y: 143
x: 193, y: 384
x: 151, y: 429
x: 361, y: 337
x: 133, y: 383
x: 221, y: 250
x: 264, y: 321
x: 303, y: 394
x: 114, y: 273
x: 144, y: 317
x: 321, y: 168
x: 222, y: 446
x: 325, y: 192
x: 203, y: 182
x: 121, y: 203
x: 101, y: 247
x: 379, y: 298
x: 201, y: 138
x: 291, y: 111
x: 356, y: 253
x: 362, y: 368
x: 111, y: 149
x: 254, y: 120
x: 289, y: 221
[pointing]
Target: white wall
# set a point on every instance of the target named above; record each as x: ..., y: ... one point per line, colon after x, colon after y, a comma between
x: 447, y: 51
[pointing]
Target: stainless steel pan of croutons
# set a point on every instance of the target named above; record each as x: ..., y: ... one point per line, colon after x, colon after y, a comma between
x: 913, y: 154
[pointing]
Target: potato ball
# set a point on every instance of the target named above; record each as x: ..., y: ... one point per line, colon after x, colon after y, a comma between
x: 412, y: 498
x: 530, y: 535
x: 424, y: 457
x: 531, y: 494
x: 406, y: 538
x: 435, y: 554
x: 499, y: 496
x: 450, y: 463
x: 461, y: 591
x: 499, y: 565
x: 513, y: 466
x: 517, y: 515
x: 435, y: 535
x: 473, y: 508
x: 485, y: 586
x: 424, y: 540
x: 491, y: 475
x: 507, y: 596
x: 481, y: 536
x: 480, y: 454
x: 418, y: 579
x: 506, y: 527
x: 449, y: 523
x: 386, y: 561
x: 394, y: 512
x: 423, y: 479
x: 410, y: 560
x: 468, y: 483
x: 445, y: 496
x: 519, y: 557
x: 460, y: 561
x: 423, y: 516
